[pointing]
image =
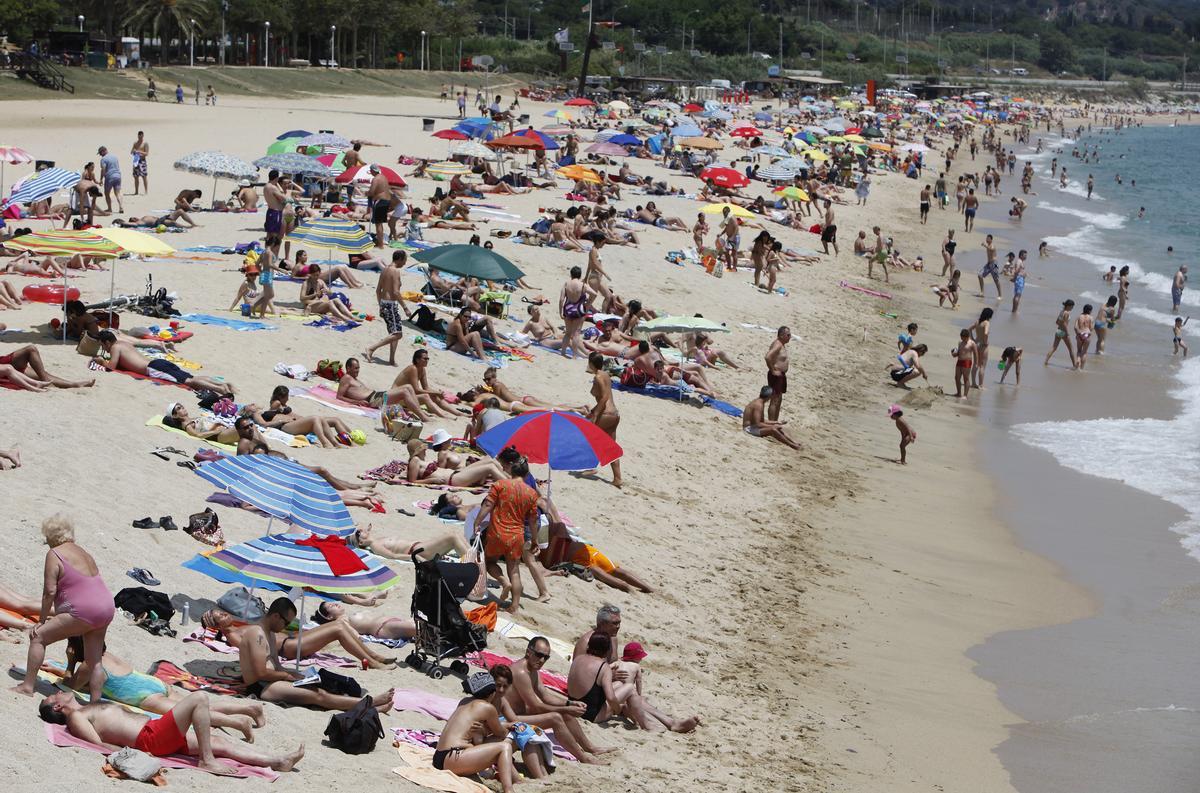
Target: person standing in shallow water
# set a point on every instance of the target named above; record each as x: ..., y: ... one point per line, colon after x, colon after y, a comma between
x: 1062, y: 326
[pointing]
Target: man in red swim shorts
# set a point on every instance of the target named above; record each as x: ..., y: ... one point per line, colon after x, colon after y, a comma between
x: 109, y: 724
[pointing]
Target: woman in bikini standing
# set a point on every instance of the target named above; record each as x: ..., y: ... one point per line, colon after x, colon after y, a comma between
x: 758, y: 254
x: 572, y: 307
x: 1062, y: 325
x: 1104, y: 321
x: 1122, y: 290
x: 1084, y: 325
x: 604, y: 415
x: 596, y: 275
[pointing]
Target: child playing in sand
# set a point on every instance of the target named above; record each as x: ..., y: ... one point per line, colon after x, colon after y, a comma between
x: 1178, y: 336
x: 965, y: 352
x: 905, y: 340
x: 949, y: 291
x: 907, y: 435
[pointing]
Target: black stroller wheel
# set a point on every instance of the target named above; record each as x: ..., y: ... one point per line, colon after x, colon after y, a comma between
x: 459, y: 667
x: 436, y: 673
x: 413, y: 660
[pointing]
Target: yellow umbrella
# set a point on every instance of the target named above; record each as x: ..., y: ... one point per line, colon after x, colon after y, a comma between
x: 136, y: 242
x: 855, y: 138
x: 580, y: 174
x: 701, y: 143
x: 617, y: 104
x: 734, y: 209
x: 792, y: 192
x: 846, y: 105
x: 834, y: 139
x: 816, y: 154
x: 879, y: 146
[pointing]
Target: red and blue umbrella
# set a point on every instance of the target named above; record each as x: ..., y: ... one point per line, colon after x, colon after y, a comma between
x: 564, y: 441
x: 547, y: 141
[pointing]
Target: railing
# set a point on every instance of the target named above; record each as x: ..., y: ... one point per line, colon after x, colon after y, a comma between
x: 40, y: 70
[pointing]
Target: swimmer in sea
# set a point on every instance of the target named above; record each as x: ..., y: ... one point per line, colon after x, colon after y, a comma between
x: 1061, y: 326
x: 1180, y: 344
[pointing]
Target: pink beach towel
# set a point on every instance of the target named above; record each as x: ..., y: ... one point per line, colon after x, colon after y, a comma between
x: 487, y: 660
x: 329, y: 398
x: 57, y: 734
x: 431, y: 705
x: 324, y: 660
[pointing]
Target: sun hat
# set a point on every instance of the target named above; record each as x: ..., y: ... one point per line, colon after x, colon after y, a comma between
x: 634, y: 651
x: 439, y: 437
x: 171, y: 408
x: 893, y: 410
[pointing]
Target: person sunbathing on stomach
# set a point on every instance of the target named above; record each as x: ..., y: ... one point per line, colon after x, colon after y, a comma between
x: 122, y: 357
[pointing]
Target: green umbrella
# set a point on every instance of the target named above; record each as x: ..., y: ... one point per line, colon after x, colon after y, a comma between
x: 470, y: 261
x: 285, y: 146
x: 679, y: 324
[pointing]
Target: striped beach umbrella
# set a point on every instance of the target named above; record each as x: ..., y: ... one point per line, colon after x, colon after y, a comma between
x: 67, y: 242
x: 43, y: 184
x: 293, y: 163
x: 775, y: 173
x: 281, y: 560
x: 283, y: 489
x: 564, y: 441
x: 529, y: 132
x: 333, y: 234
x: 447, y: 169
x: 472, y: 148
x: 335, y: 162
x: 11, y: 155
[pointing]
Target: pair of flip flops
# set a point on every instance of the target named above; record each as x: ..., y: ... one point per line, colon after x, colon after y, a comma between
x: 142, y: 576
x: 150, y: 523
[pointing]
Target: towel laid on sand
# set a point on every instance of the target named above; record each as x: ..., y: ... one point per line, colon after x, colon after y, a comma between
x: 418, y: 769
x: 487, y: 660
x: 226, y: 322
x: 673, y: 392
x: 174, y: 675
x: 325, y: 660
x: 432, y: 705
x: 329, y: 398
x: 57, y: 735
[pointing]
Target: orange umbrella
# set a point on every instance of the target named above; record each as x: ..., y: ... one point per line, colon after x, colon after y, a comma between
x: 578, y: 173
x: 517, y: 142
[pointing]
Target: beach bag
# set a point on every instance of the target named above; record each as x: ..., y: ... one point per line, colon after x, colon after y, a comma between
x: 225, y: 407
x: 134, y: 764
x: 425, y: 319
x: 88, y: 345
x: 238, y: 602
x: 140, y: 602
x: 356, y: 730
x: 330, y: 369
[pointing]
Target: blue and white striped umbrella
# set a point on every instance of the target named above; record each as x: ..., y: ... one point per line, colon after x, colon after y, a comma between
x: 293, y: 163
x: 795, y: 164
x: 280, y: 560
x: 217, y: 165
x: 776, y: 173
x: 686, y: 131
x: 282, y: 489
x: 771, y: 150
x: 43, y: 185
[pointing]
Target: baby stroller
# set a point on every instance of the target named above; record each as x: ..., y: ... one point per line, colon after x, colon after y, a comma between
x: 442, y: 630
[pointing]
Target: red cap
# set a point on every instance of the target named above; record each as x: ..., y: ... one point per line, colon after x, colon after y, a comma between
x: 633, y: 652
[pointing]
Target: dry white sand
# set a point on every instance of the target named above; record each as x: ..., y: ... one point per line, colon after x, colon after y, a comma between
x: 815, y: 624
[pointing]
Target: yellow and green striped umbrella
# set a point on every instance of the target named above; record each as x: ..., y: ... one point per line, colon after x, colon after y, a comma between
x: 65, y: 243
x: 334, y: 234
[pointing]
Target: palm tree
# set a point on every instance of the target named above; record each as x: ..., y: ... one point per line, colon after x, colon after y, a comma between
x: 165, y: 16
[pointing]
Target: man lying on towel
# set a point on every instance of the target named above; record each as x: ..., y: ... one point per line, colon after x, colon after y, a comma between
x: 122, y: 357
x: 113, y: 725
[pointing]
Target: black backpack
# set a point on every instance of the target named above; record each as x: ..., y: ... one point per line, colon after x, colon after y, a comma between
x: 356, y: 730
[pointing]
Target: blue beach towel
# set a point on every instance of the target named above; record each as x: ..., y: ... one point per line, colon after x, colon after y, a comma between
x: 225, y: 322
x: 672, y: 392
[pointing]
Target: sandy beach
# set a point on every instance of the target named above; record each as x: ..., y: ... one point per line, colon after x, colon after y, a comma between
x: 814, y: 608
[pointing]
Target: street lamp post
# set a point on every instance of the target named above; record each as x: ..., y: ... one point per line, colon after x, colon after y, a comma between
x: 81, y: 17
x: 192, y: 43
x: 224, y: 8
x: 332, y: 44
x: 423, y: 50
x: 267, y: 44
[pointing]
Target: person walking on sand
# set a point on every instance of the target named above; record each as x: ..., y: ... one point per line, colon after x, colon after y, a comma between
x: 511, y: 506
x: 1177, y: 288
x: 140, y: 151
x: 391, y: 304
x: 829, y: 230
x: 907, y: 435
x: 970, y: 207
x: 733, y: 238
x: 777, y: 369
x: 1084, y: 325
x: 965, y: 354
x: 1061, y: 333
x: 991, y: 267
x: 604, y: 414
x: 573, y: 304
x: 1177, y: 339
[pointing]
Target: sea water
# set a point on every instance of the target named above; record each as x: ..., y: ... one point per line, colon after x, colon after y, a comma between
x: 1156, y: 167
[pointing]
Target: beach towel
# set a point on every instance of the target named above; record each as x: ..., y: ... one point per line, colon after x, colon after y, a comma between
x: 57, y: 735
x: 326, y: 322
x: 393, y: 474
x: 208, y: 249
x: 233, y: 324
x: 174, y: 675
x: 96, y: 367
x: 329, y: 398
x: 418, y: 769
x: 673, y: 392
x: 157, y: 421
x: 511, y: 630
x: 487, y: 660
x: 323, y: 660
x: 431, y: 705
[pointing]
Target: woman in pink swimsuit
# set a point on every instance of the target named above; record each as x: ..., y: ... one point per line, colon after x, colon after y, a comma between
x: 82, y: 605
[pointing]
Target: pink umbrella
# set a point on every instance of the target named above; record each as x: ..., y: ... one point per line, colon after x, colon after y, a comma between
x: 606, y: 149
x: 361, y: 175
x: 13, y: 156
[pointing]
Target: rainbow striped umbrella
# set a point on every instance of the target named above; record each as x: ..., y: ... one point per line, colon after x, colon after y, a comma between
x: 283, y: 490
x: 333, y: 234
x: 280, y: 560
x: 67, y: 242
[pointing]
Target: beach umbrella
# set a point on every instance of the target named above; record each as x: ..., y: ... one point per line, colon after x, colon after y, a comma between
x: 557, y: 131
x: 763, y: 117
x: 282, y: 489
x: 775, y: 173
x: 297, y: 164
x: 333, y: 234
x: 816, y: 154
x: 795, y: 164
x: 470, y: 261
x: 218, y: 165
x: 618, y: 104
x: 686, y: 130
x: 295, y: 133
x: 451, y: 134
x: 747, y: 132
x: 692, y: 107
x: 606, y: 149
x: 720, y: 115
x: 306, y: 562
x: 914, y: 147
x: 335, y: 162
x: 855, y: 138
x: 43, y: 184
x: 724, y: 177
x: 579, y: 101
x: 770, y: 150
x: 834, y: 139
x: 361, y: 174
x: 872, y: 132
x: 11, y: 155
x: 563, y: 441
x: 791, y: 192
x: 605, y: 134
x: 558, y: 115
x: 625, y: 140
x: 547, y: 142
x: 818, y: 131
x: 136, y: 242
x: 472, y: 148
x: 578, y: 173
x: 701, y: 143
x: 448, y: 168
x: 285, y: 146
x: 66, y: 242
x: 518, y: 142
x: 476, y: 127
x: 680, y: 324
x: 734, y: 209
x: 325, y: 140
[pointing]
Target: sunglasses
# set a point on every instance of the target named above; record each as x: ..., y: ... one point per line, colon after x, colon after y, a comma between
x: 543, y: 656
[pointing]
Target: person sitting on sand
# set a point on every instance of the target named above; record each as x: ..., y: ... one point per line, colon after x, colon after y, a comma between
x: 488, y: 413
x: 170, y: 220
x: 129, y: 687
x: 540, y: 328
x: 564, y: 548
x: 330, y: 274
x: 261, y: 642
x: 533, y: 703
x: 463, y: 338
x: 590, y: 681
x: 422, y: 472
x: 317, y: 299
x: 114, y: 726
x: 351, y: 389
x: 379, y: 625
x: 81, y: 323
x: 122, y: 357
x: 29, y: 358
x: 456, y: 751
x: 755, y: 422
x: 415, y: 376
x: 908, y: 365
x: 247, y: 196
